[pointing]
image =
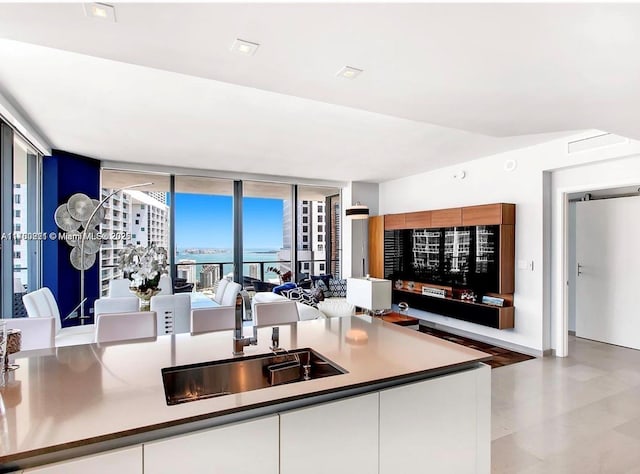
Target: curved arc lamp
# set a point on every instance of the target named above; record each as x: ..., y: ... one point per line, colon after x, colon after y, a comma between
x: 82, y: 265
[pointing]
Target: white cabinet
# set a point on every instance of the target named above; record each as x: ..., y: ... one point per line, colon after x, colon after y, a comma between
x: 240, y: 448
x: 334, y: 437
x: 438, y: 425
x: 122, y: 461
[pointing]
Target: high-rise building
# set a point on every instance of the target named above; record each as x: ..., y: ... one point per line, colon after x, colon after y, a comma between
x: 312, y: 231
x: 186, y: 269
x: 208, y: 276
x: 143, y: 215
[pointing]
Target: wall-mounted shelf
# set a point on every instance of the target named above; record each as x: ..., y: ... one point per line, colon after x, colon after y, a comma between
x: 388, y: 242
x: 499, y: 317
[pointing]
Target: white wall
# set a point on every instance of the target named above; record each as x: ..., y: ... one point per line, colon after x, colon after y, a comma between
x: 527, y: 186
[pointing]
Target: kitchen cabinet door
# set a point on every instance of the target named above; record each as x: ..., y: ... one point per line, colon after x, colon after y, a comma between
x: 122, y: 461
x: 247, y: 447
x: 439, y: 425
x: 335, y: 437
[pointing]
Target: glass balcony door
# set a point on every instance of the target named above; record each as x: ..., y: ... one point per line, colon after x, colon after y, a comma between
x: 203, y: 231
x: 20, y: 196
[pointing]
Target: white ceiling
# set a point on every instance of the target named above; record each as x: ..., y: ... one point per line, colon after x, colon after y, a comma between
x: 442, y: 83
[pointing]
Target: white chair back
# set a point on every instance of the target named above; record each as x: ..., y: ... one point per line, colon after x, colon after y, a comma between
x: 124, y: 304
x: 277, y: 312
x: 166, y: 285
x: 231, y: 294
x: 119, y: 287
x: 174, y: 313
x: 42, y: 304
x: 213, y: 319
x: 222, y: 285
x: 37, y: 333
x: 125, y: 326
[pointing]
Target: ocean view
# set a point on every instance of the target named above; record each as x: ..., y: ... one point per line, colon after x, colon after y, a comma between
x: 205, y: 256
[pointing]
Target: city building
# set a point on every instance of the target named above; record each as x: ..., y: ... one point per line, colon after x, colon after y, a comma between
x: 140, y: 217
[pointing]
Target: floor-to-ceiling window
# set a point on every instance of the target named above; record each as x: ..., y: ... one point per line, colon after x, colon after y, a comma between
x: 318, y: 231
x: 267, y: 232
x: 138, y: 215
x: 21, y: 222
x: 203, y: 230
x: 270, y: 227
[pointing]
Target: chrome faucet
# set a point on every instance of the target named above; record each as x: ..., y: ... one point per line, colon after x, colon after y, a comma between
x: 239, y: 341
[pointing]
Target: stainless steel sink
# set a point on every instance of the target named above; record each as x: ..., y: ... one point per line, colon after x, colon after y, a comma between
x: 188, y: 383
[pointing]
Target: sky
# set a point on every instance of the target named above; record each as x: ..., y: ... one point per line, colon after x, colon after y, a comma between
x: 205, y: 221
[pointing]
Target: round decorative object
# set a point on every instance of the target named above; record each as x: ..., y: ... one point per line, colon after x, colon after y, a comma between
x: 410, y: 285
x: 82, y: 262
x: 91, y: 243
x: 403, y: 307
x: 98, y: 217
x: 64, y: 220
x: 73, y: 238
x: 80, y: 206
x: 398, y: 284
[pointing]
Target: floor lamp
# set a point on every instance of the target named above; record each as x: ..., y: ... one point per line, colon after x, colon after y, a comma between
x: 359, y: 212
x: 80, y: 213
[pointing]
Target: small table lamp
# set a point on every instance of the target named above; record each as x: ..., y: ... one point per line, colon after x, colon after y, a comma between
x: 372, y: 294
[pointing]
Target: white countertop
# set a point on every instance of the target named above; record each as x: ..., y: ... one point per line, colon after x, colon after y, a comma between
x: 76, y: 395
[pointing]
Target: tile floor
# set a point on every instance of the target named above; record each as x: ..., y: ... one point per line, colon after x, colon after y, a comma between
x: 579, y: 414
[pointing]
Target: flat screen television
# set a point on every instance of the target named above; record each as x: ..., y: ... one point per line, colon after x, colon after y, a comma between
x: 461, y: 257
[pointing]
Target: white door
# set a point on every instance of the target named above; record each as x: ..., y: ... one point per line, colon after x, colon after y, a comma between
x: 608, y: 271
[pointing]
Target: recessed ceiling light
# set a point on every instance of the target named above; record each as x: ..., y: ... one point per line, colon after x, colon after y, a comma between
x: 349, y: 72
x: 102, y: 11
x: 244, y: 47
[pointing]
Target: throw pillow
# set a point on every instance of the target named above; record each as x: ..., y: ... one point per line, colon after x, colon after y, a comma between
x: 324, y: 287
x: 287, y: 286
x: 301, y: 295
x: 338, y: 288
x: 318, y: 294
x: 315, y: 279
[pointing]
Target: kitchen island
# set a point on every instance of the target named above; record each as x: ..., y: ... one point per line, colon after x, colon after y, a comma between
x: 107, y: 402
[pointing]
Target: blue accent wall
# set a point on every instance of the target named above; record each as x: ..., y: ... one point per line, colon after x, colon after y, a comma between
x: 64, y: 174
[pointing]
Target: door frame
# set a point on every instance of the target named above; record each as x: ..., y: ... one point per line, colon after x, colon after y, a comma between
x: 559, y: 248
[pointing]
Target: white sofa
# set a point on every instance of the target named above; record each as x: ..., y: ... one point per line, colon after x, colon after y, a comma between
x: 329, y: 308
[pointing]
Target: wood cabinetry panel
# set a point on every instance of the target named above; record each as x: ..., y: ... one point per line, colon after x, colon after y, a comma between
x: 417, y: 220
x: 446, y: 217
x: 507, y: 259
x: 394, y: 221
x: 489, y: 214
x: 376, y: 246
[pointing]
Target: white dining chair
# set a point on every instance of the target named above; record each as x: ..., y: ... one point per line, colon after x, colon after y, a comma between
x: 124, y: 304
x: 166, y: 285
x: 221, y: 318
x: 274, y: 313
x: 222, y: 285
x: 42, y: 304
x: 37, y: 333
x: 230, y: 294
x: 119, y: 287
x: 112, y: 327
x: 174, y: 313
